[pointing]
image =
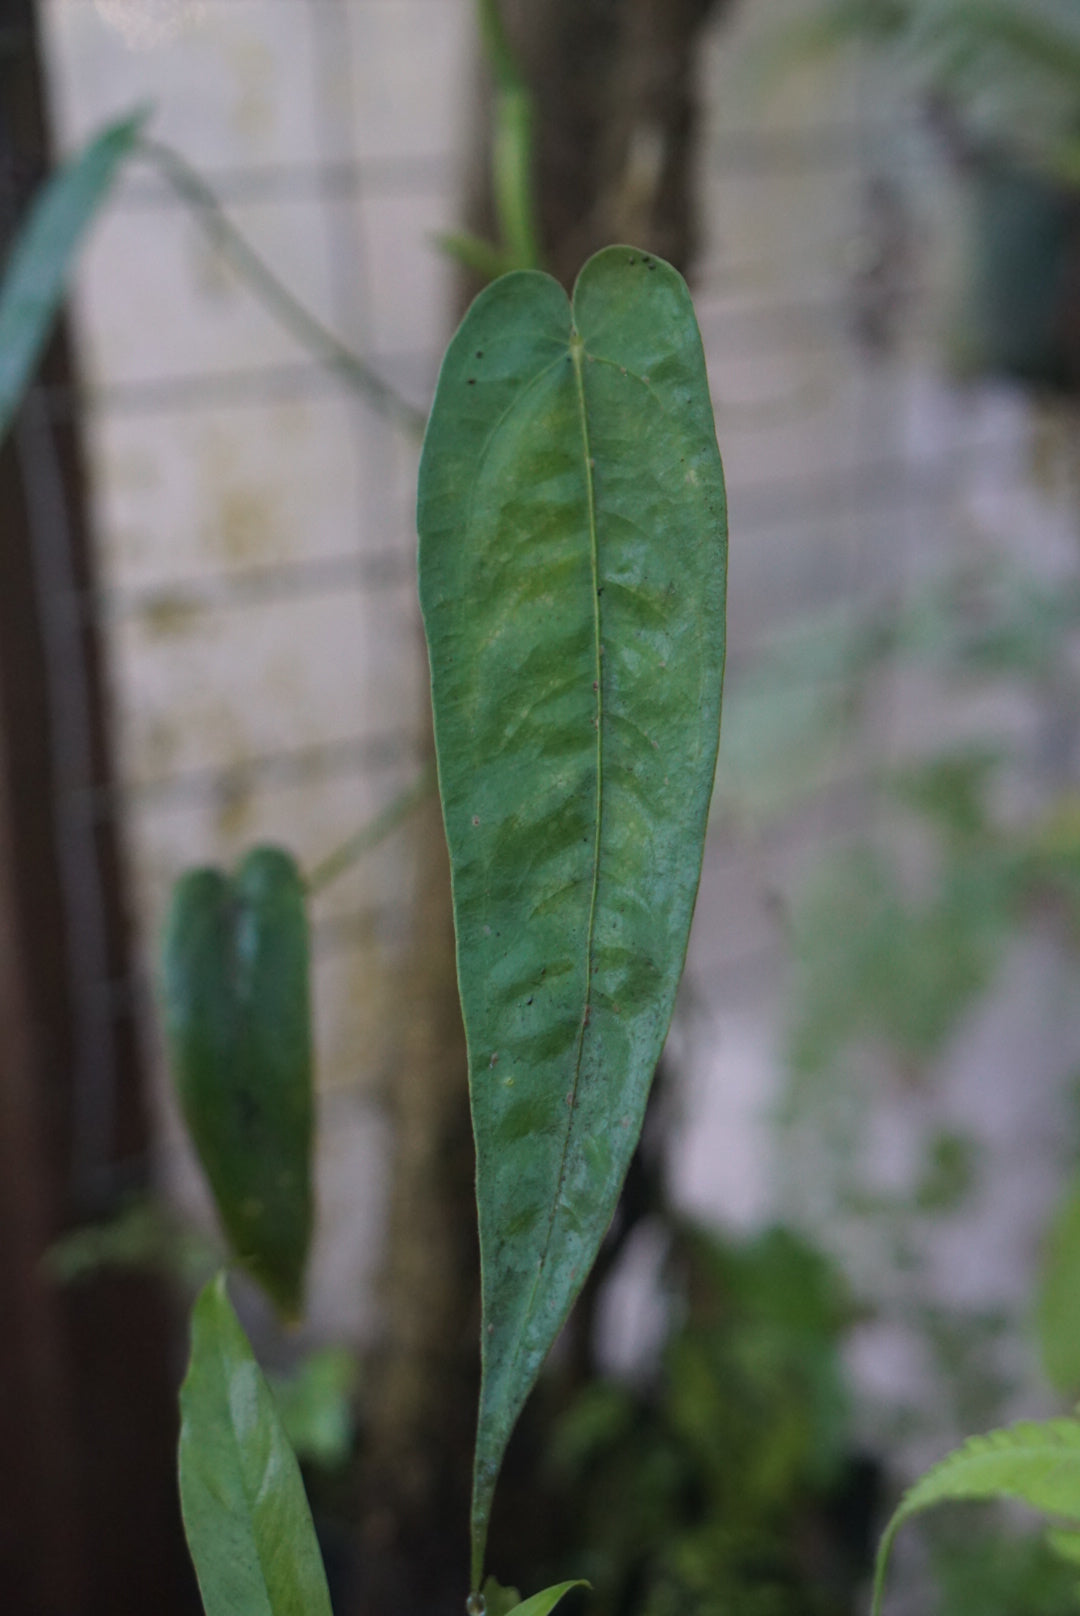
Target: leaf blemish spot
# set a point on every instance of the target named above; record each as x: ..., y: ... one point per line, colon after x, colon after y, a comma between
x: 476, y: 819
x: 494, y: 1059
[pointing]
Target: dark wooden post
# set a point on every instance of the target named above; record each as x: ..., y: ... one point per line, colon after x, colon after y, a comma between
x: 89, y: 1523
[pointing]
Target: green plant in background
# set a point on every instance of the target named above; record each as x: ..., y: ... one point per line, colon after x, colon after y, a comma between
x: 1000, y: 82
x: 37, y: 269
x: 238, y: 1023
x: 1009, y: 69
x: 725, y: 1478
x: 888, y: 963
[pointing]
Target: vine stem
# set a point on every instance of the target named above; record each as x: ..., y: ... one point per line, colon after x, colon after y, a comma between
x: 370, y: 835
x: 513, y: 143
x: 190, y: 186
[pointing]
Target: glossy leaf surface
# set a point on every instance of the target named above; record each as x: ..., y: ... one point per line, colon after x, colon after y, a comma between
x: 1034, y: 1462
x: 238, y: 1024
x: 572, y: 571
x: 245, y: 1511
x: 35, y: 275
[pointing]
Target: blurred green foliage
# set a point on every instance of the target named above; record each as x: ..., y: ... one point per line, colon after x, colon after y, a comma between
x: 963, y: 849
x: 725, y: 1481
x: 982, y: 1570
x: 1009, y: 69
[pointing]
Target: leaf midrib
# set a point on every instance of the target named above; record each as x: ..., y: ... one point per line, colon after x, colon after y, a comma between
x: 577, y: 354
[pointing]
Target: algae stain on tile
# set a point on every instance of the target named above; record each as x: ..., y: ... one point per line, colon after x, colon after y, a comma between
x: 234, y: 809
x: 170, y: 614
x: 356, y: 1022
x: 246, y: 526
x: 252, y: 67
x: 240, y: 525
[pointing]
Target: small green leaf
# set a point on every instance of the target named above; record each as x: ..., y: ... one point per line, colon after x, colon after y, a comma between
x: 1035, y: 1463
x: 315, y: 1404
x: 572, y: 568
x: 499, y: 1601
x: 540, y: 1604
x: 1057, y: 1314
x: 37, y: 268
x: 238, y: 1024
x: 245, y: 1512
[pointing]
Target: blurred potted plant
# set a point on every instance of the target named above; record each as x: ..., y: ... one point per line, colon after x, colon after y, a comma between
x: 1001, y: 83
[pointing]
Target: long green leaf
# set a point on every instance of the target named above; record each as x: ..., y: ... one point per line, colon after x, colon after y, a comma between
x: 238, y: 1025
x: 572, y: 566
x: 245, y: 1512
x: 35, y: 275
x: 1036, y: 1463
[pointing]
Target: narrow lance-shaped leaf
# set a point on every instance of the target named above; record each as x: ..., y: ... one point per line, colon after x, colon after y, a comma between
x: 1034, y: 1462
x: 572, y: 566
x: 245, y: 1511
x: 238, y: 1024
x: 35, y: 275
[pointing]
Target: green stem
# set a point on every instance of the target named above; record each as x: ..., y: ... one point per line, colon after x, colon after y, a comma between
x: 377, y: 830
x: 273, y: 293
x: 881, y: 1564
x: 512, y: 143
x: 500, y: 56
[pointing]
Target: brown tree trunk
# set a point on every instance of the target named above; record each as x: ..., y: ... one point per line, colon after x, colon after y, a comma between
x: 615, y: 122
x: 615, y: 95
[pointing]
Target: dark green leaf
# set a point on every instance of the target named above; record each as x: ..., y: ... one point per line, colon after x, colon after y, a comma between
x: 37, y: 269
x: 499, y: 1601
x: 238, y: 1023
x: 572, y: 555
x: 245, y: 1512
